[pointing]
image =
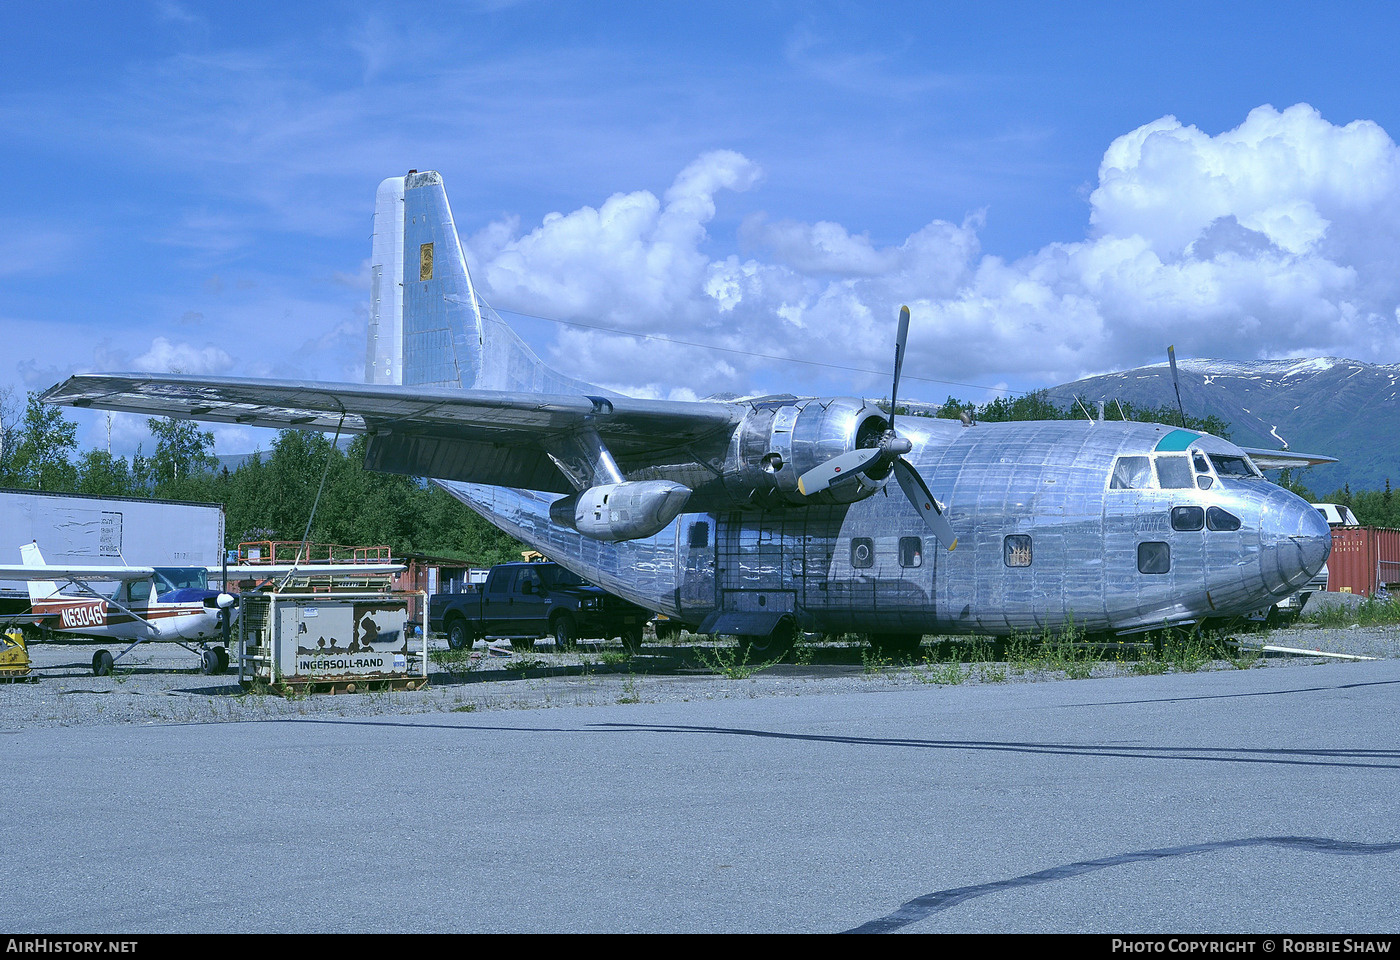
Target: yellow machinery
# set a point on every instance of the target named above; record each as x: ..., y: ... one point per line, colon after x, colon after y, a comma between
x: 14, y: 656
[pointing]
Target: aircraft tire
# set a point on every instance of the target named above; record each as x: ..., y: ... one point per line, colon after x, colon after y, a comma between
x: 102, y: 663
x: 563, y: 625
x: 209, y: 663
x: 774, y: 646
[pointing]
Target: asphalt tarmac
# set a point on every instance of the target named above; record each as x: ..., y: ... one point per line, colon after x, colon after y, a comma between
x: 1233, y: 801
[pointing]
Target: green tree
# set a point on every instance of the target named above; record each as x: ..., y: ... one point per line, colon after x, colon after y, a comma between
x: 103, y: 475
x: 183, y: 458
x: 9, y: 435
x: 46, y: 440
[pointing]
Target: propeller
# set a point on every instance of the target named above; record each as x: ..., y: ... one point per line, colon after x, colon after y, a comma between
x: 1176, y: 384
x: 889, y: 452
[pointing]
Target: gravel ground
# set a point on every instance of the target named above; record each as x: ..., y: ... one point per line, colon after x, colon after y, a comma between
x: 162, y: 684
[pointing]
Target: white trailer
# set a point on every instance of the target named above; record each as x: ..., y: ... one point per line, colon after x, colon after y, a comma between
x: 75, y: 529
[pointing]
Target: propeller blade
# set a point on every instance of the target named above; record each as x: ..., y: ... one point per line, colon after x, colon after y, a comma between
x: 1176, y: 384
x: 918, y: 493
x: 850, y: 464
x: 900, y: 339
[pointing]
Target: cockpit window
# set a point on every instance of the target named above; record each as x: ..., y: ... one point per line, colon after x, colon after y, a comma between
x: 1228, y: 466
x: 1174, y: 473
x: 1131, y: 473
x: 179, y: 578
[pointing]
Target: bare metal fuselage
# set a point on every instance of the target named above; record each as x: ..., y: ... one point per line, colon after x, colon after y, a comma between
x: 1045, y: 539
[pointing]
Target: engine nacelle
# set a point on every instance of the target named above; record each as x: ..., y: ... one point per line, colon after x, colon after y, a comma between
x: 621, y: 511
x: 778, y: 443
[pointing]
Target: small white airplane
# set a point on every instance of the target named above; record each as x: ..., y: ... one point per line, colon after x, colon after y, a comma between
x: 148, y: 603
x: 172, y: 604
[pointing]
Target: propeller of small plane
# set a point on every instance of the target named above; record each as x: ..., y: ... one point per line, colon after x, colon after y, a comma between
x: 888, y: 453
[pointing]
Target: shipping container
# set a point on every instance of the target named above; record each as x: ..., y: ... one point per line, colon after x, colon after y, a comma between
x: 77, y: 530
x: 1364, y: 560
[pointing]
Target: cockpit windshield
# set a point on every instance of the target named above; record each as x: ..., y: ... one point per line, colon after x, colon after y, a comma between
x: 180, y: 578
x: 1131, y: 473
x: 1228, y: 466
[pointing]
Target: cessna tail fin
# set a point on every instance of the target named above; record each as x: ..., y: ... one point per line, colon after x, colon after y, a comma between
x: 38, y: 589
x: 427, y: 326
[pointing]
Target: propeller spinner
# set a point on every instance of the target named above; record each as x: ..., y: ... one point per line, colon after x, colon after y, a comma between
x: 889, y: 452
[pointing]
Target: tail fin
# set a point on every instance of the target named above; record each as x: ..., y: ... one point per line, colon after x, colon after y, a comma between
x: 427, y: 326
x: 38, y: 589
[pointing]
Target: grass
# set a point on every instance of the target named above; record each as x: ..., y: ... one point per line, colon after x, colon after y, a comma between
x: 1371, y: 612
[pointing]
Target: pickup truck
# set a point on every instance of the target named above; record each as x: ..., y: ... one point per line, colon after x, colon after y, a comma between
x: 525, y: 601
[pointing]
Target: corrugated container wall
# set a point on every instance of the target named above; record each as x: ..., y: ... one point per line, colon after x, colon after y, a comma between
x: 1363, y: 560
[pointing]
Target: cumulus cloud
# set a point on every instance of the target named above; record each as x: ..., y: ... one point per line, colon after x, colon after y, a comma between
x: 167, y: 357
x: 1277, y: 238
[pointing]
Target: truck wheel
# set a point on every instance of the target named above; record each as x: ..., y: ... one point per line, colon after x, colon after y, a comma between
x: 563, y: 632
x: 632, y: 639
x: 458, y: 636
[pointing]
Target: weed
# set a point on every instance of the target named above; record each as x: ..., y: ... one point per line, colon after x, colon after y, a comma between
x: 990, y: 672
x: 1245, y: 657
x: 630, y: 693
x: 464, y: 708
x: 614, y: 658
x: 872, y: 662
x: 730, y: 661
x: 525, y: 664
x: 1186, y: 652
x: 941, y: 673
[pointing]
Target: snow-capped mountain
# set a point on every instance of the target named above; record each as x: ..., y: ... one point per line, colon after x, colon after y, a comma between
x: 1341, y: 408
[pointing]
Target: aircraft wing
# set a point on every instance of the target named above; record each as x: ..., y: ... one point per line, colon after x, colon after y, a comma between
x: 483, y: 436
x: 71, y: 572
x: 1285, y: 459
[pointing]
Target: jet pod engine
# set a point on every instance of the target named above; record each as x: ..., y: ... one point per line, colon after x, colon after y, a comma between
x: 621, y: 511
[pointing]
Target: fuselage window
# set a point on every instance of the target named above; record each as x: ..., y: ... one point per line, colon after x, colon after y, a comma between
x: 1188, y: 518
x: 1154, y: 557
x: 699, y: 534
x: 911, y: 552
x: 1016, y: 550
x: 1217, y: 519
x: 140, y: 590
x: 1131, y: 473
x: 1174, y: 473
x: 862, y: 552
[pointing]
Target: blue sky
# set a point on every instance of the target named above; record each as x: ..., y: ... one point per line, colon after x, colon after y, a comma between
x: 1057, y: 190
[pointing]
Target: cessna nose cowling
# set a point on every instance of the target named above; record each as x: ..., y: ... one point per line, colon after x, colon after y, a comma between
x: 1294, y: 541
